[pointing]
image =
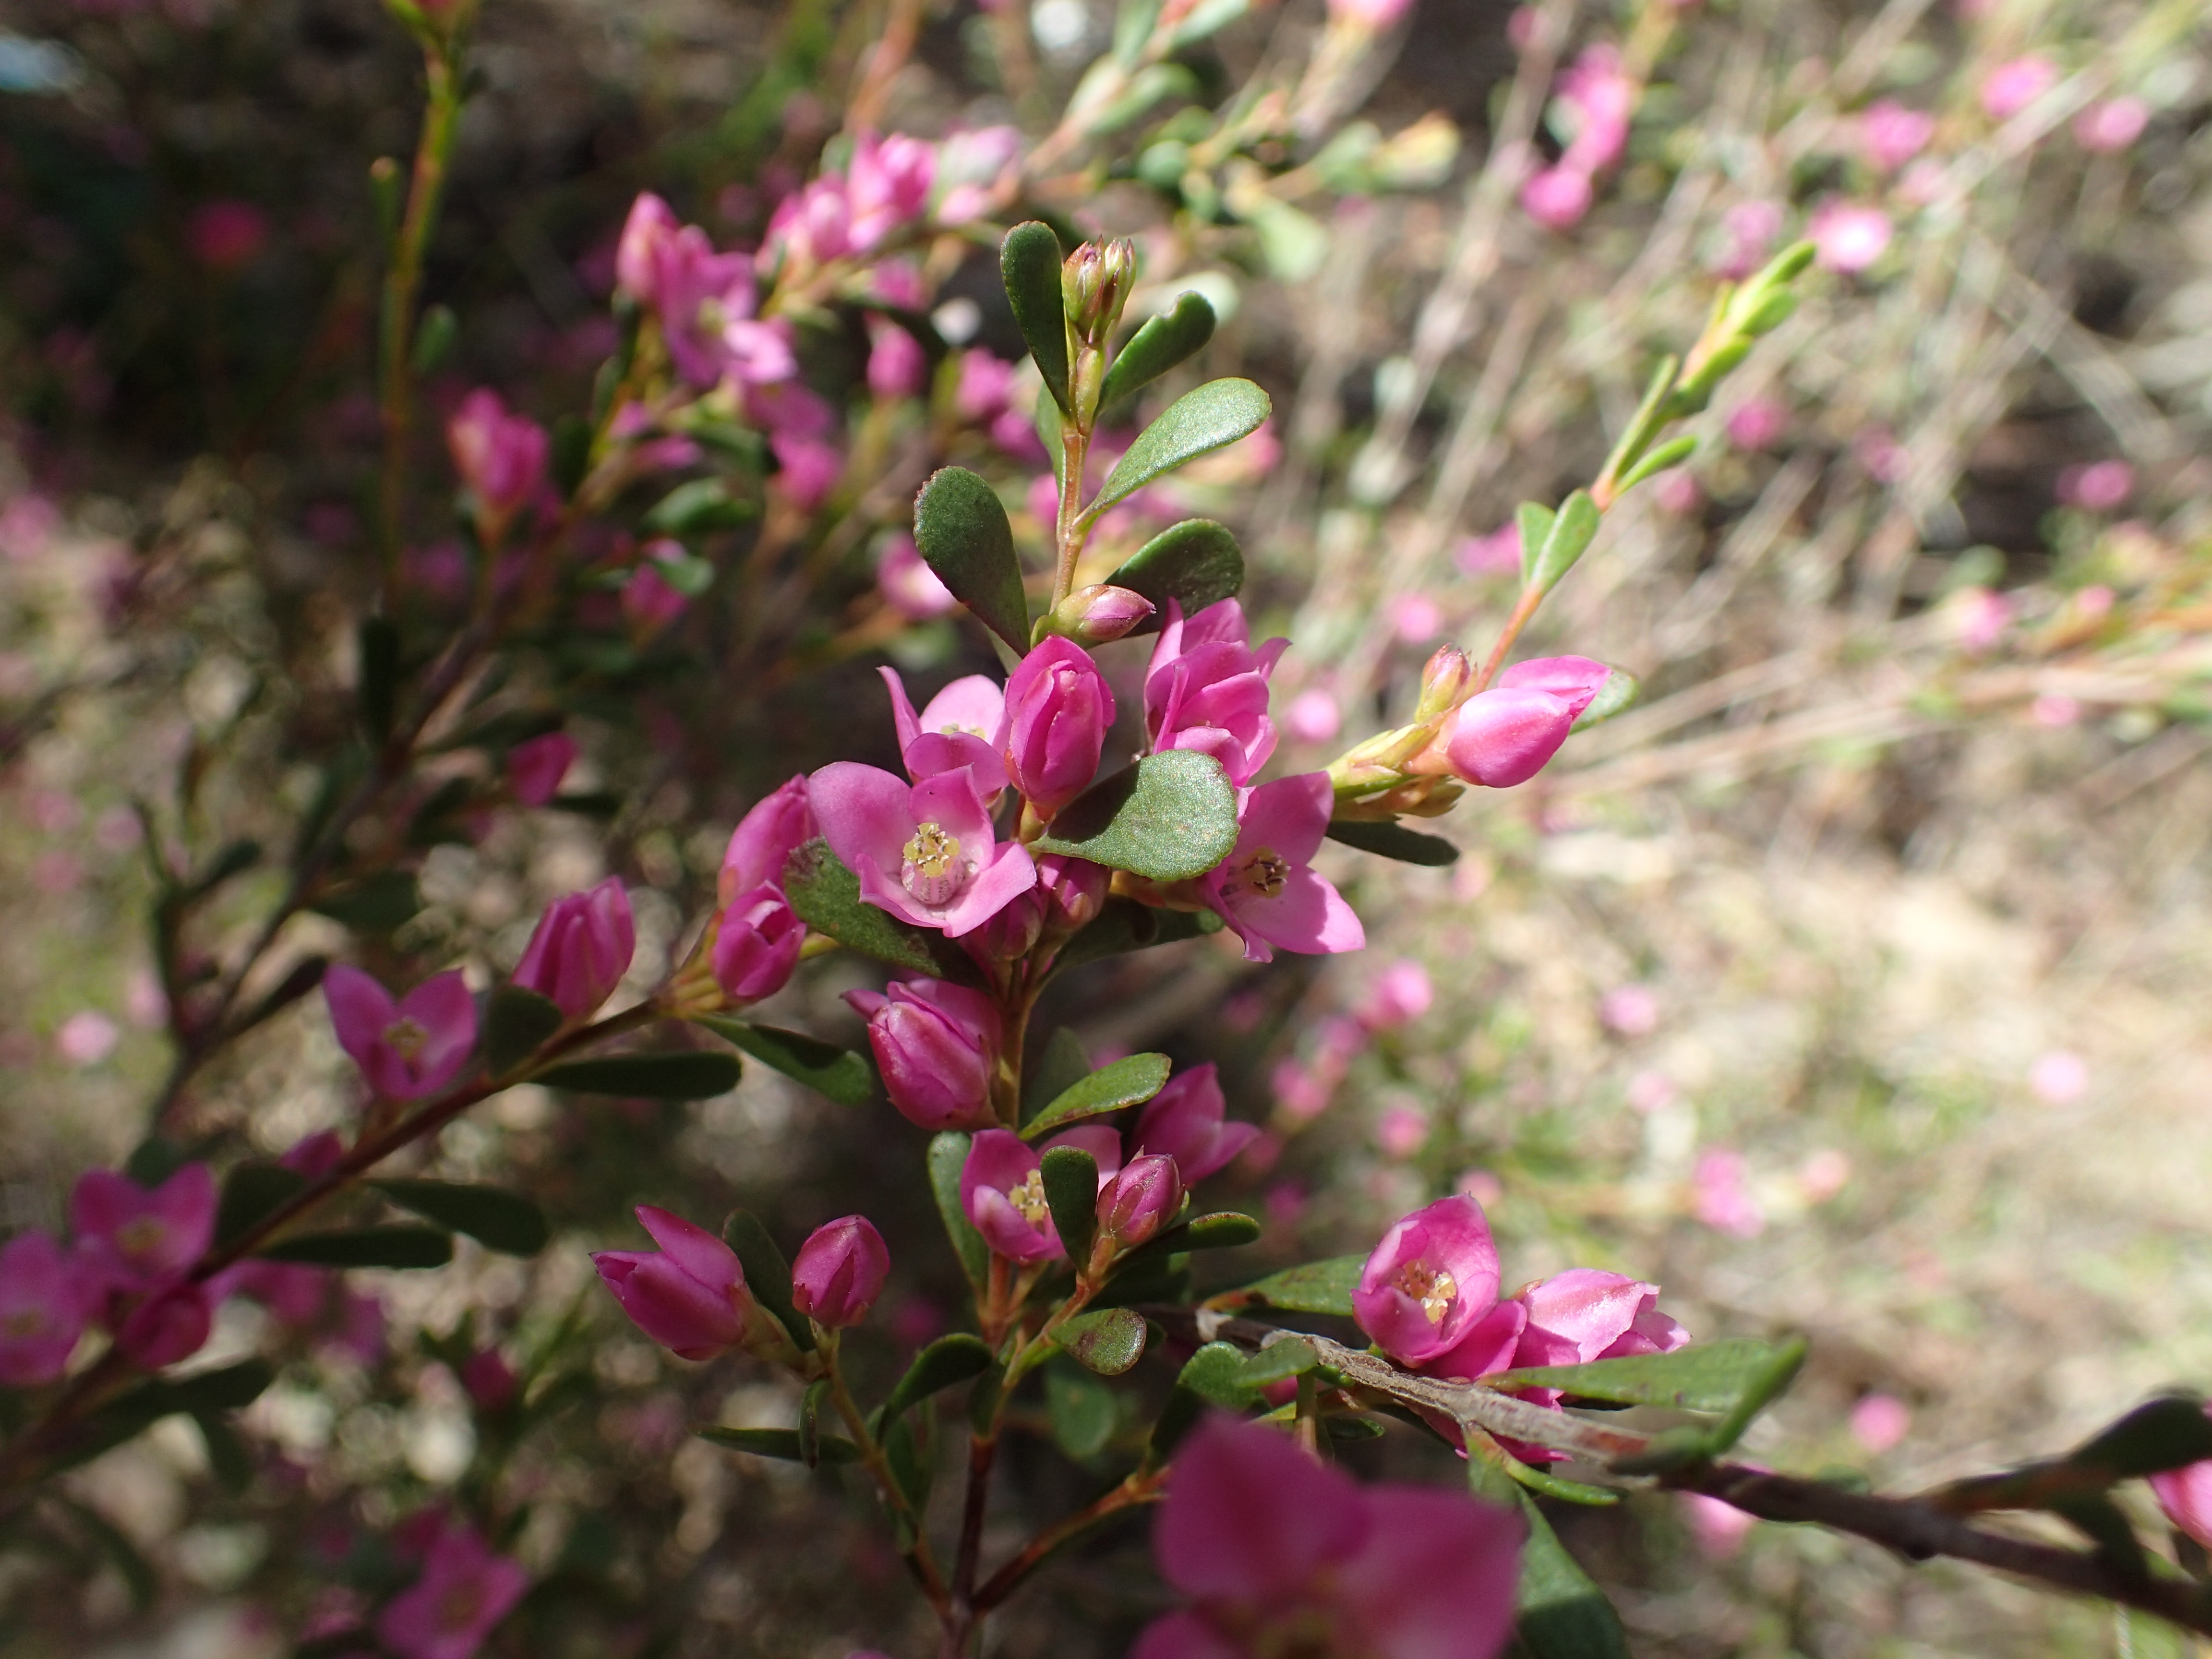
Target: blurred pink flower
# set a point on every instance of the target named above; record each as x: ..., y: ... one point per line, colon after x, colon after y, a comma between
x: 2055, y: 709
x: 1417, y: 619
x: 1313, y: 716
x: 85, y: 1038
x: 1890, y: 135
x: 1557, y: 197
x: 144, y: 1003
x: 1849, y: 236
x: 908, y: 585
x: 2185, y: 1495
x: 1629, y: 1011
x: 1879, y: 1422
x: 27, y: 524
x: 1651, y: 1091
x: 58, y: 872
x: 1678, y: 492
x: 1401, y: 992
x: 138, y: 1238
x: 1880, y: 454
x: 1497, y: 554
x: 226, y: 235
x: 2011, y: 86
x: 1751, y: 228
x: 2112, y: 125
x: 649, y: 601
x: 1982, y: 618
x: 463, y: 1593
x: 1600, y: 98
x: 46, y: 1297
x: 896, y: 363
x: 2098, y: 487
x: 1722, y: 1198
x: 1757, y: 424
x: 1922, y: 182
x: 1299, y: 1093
x: 1719, y: 1528
x: 1378, y: 15
x: 1401, y: 1131
x: 1823, y: 1175
x: 408, y: 1048
x: 2059, y: 1079
x: 535, y: 768
x: 809, y: 468
x: 1480, y: 1185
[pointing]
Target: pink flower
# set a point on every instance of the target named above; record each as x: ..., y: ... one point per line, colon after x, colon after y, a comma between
x: 1101, y: 1140
x: 1430, y: 1280
x: 1881, y: 1421
x: 896, y: 363
x: 136, y: 1239
x: 637, y: 271
x: 936, y: 1045
x: 1186, y: 1120
x: 2185, y: 1495
x: 925, y: 852
x: 1073, y: 890
x: 1497, y: 554
x: 649, y: 601
x: 776, y: 826
x: 1584, y: 1314
x: 756, y: 945
x: 2011, y: 86
x: 2059, y: 1079
x: 705, y: 300
x: 406, y: 1050
x: 908, y: 585
x: 1279, y: 1553
x: 1002, y: 1190
x: 1313, y: 716
x: 2112, y: 125
x: 45, y: 1298
x: 1506, y: 735
x: 839, y: 1272
x: 292, y: 1292
x: 1268, y: 889
x: 887, y: 186
x: 1757, y: 423
x: 1417, y: 619
x: 1401, y: 1131
x: 1557, y: 197
x: 808, y: 468
x: 985, y: 387
x: 227, y: 235
x: 1144, y: 1195
x: 499, y: 457
x: 1101, y: 613
x: 2098, y: 487
x: 535, y: 768
x: 86, y: 1037
x: 690, y: 1296
x: 490, y: 1380
x: 1057, y: 710
x: 1402, y: 993
x: 1719, y: 1528
x: 2055, y: 709
x: 1751, y: 228
x: 581, y: 948
x: 171, y: 1324
x: 1373, y: 14
x: 1629, y: 1011
x: 1723, y: 1196
x: 1848, y: 237
x: 463, y: 1593
x: 1206, y: 689
x: 1890, y: 135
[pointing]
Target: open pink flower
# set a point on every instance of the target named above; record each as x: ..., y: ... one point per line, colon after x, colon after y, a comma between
x: 1890, y: 135
x: 1002, y: 1190
x: 1585, y: 1314
x: 1057, y: 710
x: 925, y: 852
x: 2011, y: 86
x: 463, y: 1593
x: 960, y: 726
x: 690, y: 1296
x: 773, y: 829
x: 1279, y: 1553
x: 535, y: 768
x: 499, y: 457
x: 1847, y: 237
x: 406, y: 1050
x: 581, y: 948
x: 45, y: 1298
x: 134, y: 1238
x: 756, y: 945
x: 936, y: 1045
x: 1432, y: 1276
x: 839, y: 1272
x: 1268, y: 889
x: 1206, y: 689
x: 1186, y: 1120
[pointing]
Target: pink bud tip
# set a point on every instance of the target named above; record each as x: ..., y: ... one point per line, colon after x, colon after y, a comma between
x: 839, y: 1272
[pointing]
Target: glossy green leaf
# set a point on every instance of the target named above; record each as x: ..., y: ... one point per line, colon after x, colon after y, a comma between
x: 697, y: 1075
x: 516, y: 1022
x: 1196, y: 564
x: 1224, y: 1230
x: 1572, y: 533
x: 251, y: 1192
x: 1710, y: 1376
x: 498, y: 1220
x: 961, y: 531
x: 1617, y: 694
x: 1169, y: 817
x: 378, y: 691
x: 1108, y: 1341
x: 1071, y: 1191
x: 1129, y: 1081
x: 1279, y: 1362
x: 1200, y: 421
x: 1393, y: 840
x: 1318, y: 1287
x: 1029, y: 264
x: 1158, y: 347
x: 842, y: 1074
x: 1125, y: 925
x: 699, y: 507
x: 1211, y: 1377
x: 1534, y: 523
x: 365, y: 1247
x: 948, y: 1153
x: 1671, y: 454
x: 782, y: 1443
x: 1061, y: 1066
x: 945, y: 1362
x: 767, y: 1274
x: 1082, y: 1411
x: 826, y: 896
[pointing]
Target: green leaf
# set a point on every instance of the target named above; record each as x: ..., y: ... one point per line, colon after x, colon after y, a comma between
x: 1573, y: 532
x: 1532, y: 1476
x: 782, y: 1443
x: 844, y: 1076
x: 1213, y: 1377
x: 1318, y: 1287
x: 699, y: 507
x: 826, y: 896
x: 1672, y: 453
x: 251, y: 1192
x: 1196, y: 564
x: 1224, y: 1230
x: 516, y: 1022
x: 1029, y: 264
x: 1169, y: 817
x: 572, y: 453
x: 961, y: 531
x: 948, y: 1153
x: 1160, y: 1279
x: 434, y: 337
x: 810, y: 1421
x: 1758, y: 1389
x: 228, y: 1388
x: 1206, y: 17
x: 1128, y: 1082
x: 2162, y: 1434
x: 1071, y: 1190
x: 378, y: 693
x: 229, y: 1459
x: 1108, y: 1341
x: 695, y: 1076
x: 1158, y: 347
x: 375, y: 904
x: 365, y: 1247
x: 1534, y: 521
x: 1392, y: 840
x: 1560, y: 1614
x: 1060, y: 1068
x: 154, y: 1160
x: 1618, y: 692
x: 903, y: 1450
x: 767, y: 1274
x: 1082, y: 1410
x: 1134, y: 22
x: 1217, y: 413
x: 1125, y: 925
x: 1735, y: 1378
x: 1279, y: 1362
x: 502, y: 1221
x: 947, y: 1361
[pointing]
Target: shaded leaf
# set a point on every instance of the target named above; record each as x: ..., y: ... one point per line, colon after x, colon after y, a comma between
x: 1391, y: 839
x: 961, y: 530
x: 1224, y: 1230
x: 767, y: 1274
x: 1279, y: 1362
x: 1071, y: 1191
x: 1158, y: 347
x: 1318, y: 1287
x: 1082, y: 1410
x: 365, y: 1247
x: 1200, y: 421
x: 1029, y: 264
x: 377, y: 694
x: 516, y: 1022
x: 947, y: 1361
x: 1346, y: 1427
x: 227, y: 1388
x: 375, y: 904
x: 699, y: 507
x: 499, y: 1220
x: 1060, y: 1068
x: 229, y: 1459
x: 948, y: 1153
x: 1213, y: 1377
x: 1710, y: 1376
x: 1125, y: 925
x: 2162, y: 1434
x: 695, y: 1076
x: 1170, y: 817
x: 251, y: 1192
x: 825, y: 895
x: 782, y: 1443
x: 1108, y: 1341
x: 842, y: 1074
x: 1196, y: 564
x: 1129, y: 1081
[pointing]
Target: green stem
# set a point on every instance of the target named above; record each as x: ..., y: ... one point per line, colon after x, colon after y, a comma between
x: 1074, y: 449
x: 920, y: 1557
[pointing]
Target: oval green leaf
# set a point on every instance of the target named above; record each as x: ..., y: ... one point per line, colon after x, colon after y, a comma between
x: 1158, y: 347
x: 1029, y: 264
x: 1279, y: 1362
x: 1108, y: 1342
x: 767, y: 1274
x: 1071, y: 1191
x: 498, y: 1220
x: 1082, y: 1410
x: 1318, y: 1287
x: 1196, y: 564
x: 1130, y: 1081
x: 844, y: 1076
x: 1213, y: 1377
x: 1224, y: 1230
x: 1170, y: 817
x: 948, y: 1153
x: 948, y: 1360
x: 1391, y: 839
x: 648, y: 1077
x: 782, y: 1443
x: 516, y: 1022
x: 365, y: 1247
x: 1217, y: 413
x: 961, y: 528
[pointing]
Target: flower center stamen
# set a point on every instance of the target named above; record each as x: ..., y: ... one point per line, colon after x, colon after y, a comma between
x: 1432, y: 1287
x: 931, y: 868
x: 141, y: 1236
x: 406, y: 1039
x: 1264, y: 874
x: 1029, y: 1199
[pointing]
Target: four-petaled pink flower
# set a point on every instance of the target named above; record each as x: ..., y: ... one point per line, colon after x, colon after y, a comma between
x: 45, y: 1298
x: 464, y: 1592
x: 581, y: 948
x: 960, y: 725
x: 936, y: 1045
x: 137, y: 1239
x: 535, y: 768
x: 409, y: 1049
x: 499, y: 457
x: 1430, y: 1282
x: 1057, y: 710
x: 1206, y: 689
x: 839, y: 1272
x: 1268, y: 889
x: 1185, y: 1121
x: 1002, y: 1191
x: 1280, y: 1553
x: 690, y: 1296
x: 925, y: 852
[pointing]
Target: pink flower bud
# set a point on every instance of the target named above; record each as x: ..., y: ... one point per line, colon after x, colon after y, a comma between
x: 1498, y: 738
x: 649, y: 601
x: 1891, y: 134
x: 756, y: 945
x: 171, y: 1324
x: 896, y: 363
x: 1848, y: 237
x: 776, y: 826
x: 582, y: 950
x: 1140, y: 1200
x: 690, y: 1296
x: 499, y: 457
x: 1011, y: 934
x: 840, y: 1273
x: 45, y: 1298
x: 490, y: 1380
x: 132, y: 1238
x: 2011, y: 86
x: 1557, y: 197
x: 1099, y: 613
x: 1074, y: 892
x: 535, y: 768
x: 2111, y: 126
x: 1185, y: 1122
x: 1432, y: 1276
x: 2185, y: 1495
x: 406, y: 1050
x: 1058, y: 708
x: 936, y: 1045
x: 650, y: 225
x: 1719, y: 1528
x: 464, y: 1593
x: 1002, y: 1190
